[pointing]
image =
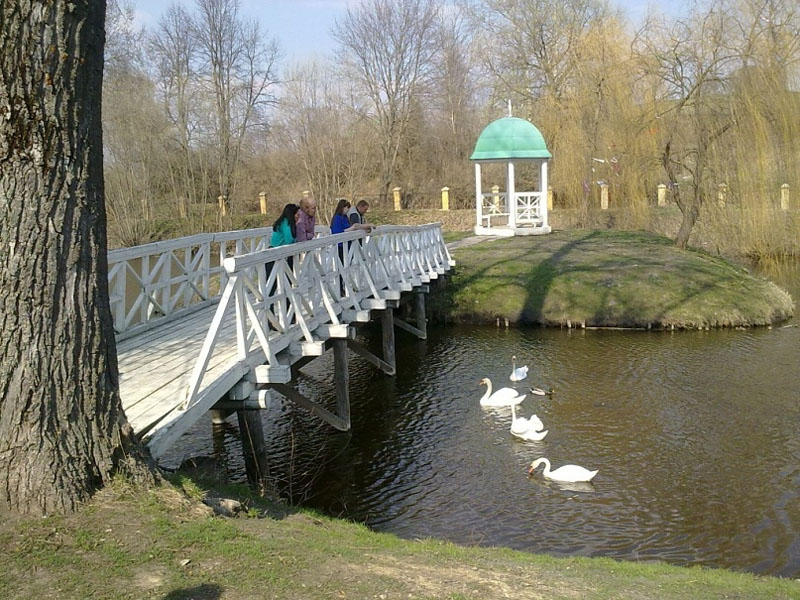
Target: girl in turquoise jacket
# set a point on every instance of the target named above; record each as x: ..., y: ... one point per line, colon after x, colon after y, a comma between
x: 283, y: 230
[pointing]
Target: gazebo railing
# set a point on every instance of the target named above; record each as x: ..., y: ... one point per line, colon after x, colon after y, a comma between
x: 493, y: 206
x: 529, y: 207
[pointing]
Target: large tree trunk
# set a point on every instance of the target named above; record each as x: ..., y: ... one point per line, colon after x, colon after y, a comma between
x: 62, y: 428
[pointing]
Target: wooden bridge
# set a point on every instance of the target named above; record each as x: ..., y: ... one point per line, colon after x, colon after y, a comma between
x: 211, y: 321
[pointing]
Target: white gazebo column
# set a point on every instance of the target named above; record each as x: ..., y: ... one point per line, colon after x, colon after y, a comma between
x: 478, y: 196
x: 511, y: 202
x: 543, y: 193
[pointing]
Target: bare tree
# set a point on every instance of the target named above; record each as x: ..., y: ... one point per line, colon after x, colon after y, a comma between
x: 240, y: 69
x: 689, y: 63
x: 123, y: 39
x: 175, y: 58
x: 62, y: 427
x: 318, y: 123
x: 134, y: 132
x: 532, y: 47
x: 387, y: 47
x: 454, y: 89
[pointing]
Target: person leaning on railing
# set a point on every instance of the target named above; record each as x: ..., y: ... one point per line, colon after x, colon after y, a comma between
x: 356, y: 214
x: 284, y: 229
x: 341, y: 223
x: 284, y: 232
x: 306, y: 219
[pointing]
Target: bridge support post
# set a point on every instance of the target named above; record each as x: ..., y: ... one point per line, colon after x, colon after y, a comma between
x: 341, y: 376
x: 387, y: 326
x: 419, y: 313
x: 218, y: 416
x: 253, y: 447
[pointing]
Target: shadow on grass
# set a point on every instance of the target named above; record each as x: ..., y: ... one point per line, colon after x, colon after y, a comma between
x: 604, y: 279
x: 542, y: 277
x: 207, y: 591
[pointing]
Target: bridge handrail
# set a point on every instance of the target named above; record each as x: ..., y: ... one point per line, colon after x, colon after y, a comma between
x: 159, y: 281
x: 280, y: 296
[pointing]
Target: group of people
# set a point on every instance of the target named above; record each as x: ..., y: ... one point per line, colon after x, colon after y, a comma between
x: 297, y: 222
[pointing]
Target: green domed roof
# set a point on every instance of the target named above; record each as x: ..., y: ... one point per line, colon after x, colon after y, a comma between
x: 510, y: 137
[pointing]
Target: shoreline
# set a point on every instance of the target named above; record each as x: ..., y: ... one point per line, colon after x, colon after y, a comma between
x: 604, y: 279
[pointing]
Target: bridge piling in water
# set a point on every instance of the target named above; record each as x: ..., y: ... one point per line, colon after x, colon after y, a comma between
x: 341, y: 377
x: 251, y: 431
x: 387, y: 337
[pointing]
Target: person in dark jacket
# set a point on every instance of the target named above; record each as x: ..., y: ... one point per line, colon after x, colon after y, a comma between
x: 356, y: 214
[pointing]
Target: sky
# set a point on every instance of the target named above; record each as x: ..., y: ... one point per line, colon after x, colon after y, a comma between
x: 302, y: 27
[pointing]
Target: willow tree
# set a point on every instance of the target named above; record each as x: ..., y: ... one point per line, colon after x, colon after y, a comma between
x: 556, y: 59
x: 62, y: 428
x: 689, y: 62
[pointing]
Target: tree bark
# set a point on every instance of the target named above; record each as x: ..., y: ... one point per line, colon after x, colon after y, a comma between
x: 63, y: 432
x: 690, y: 215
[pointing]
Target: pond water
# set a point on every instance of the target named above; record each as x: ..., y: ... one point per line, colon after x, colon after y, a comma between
x: 695, y: 435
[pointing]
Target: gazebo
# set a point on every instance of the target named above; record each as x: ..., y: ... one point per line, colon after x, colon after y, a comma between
x: 511, y: 140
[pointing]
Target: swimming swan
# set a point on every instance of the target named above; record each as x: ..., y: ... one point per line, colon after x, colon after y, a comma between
x: 522, y: 424
x: 527, y: 429
x: 517, y: 373
x: 567, y: 473
x: 502, y: 397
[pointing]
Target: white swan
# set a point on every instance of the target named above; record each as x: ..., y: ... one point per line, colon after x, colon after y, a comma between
x: 502, y: 397
x: 527, y: 429
x: 522, y: 424
x: 517, y: 373
x: 567, y: 473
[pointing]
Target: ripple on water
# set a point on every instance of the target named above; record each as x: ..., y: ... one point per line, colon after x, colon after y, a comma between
x: 694, y: 435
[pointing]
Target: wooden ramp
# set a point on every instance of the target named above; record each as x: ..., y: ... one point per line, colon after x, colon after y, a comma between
x: 191, y: 334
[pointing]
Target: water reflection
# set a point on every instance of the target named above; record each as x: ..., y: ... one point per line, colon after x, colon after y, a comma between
x: 694, y: 434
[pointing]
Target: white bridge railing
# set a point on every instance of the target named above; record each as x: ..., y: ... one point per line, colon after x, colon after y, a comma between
x: 306, y: 292
x: 153, y: 283
x: 164, y: 280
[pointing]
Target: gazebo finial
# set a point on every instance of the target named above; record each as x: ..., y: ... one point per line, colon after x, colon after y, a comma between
x: 509, y: 106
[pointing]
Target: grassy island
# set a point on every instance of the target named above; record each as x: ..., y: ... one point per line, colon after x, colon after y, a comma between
x: 129, y: 543
x: 605, y: 278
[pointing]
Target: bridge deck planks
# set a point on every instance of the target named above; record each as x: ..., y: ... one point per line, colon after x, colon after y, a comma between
x: 156, y: 365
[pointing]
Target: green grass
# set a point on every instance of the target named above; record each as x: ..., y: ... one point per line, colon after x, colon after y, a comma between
x: 130, y: 543
x: 605, y: 278
x: 454, y: 236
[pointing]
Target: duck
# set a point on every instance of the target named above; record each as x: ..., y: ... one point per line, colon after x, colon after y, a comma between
x: 517, y: 373
x: 540, y: 392
x: 502, y: 397
x: 527, y: 429
x: 565, y: 474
